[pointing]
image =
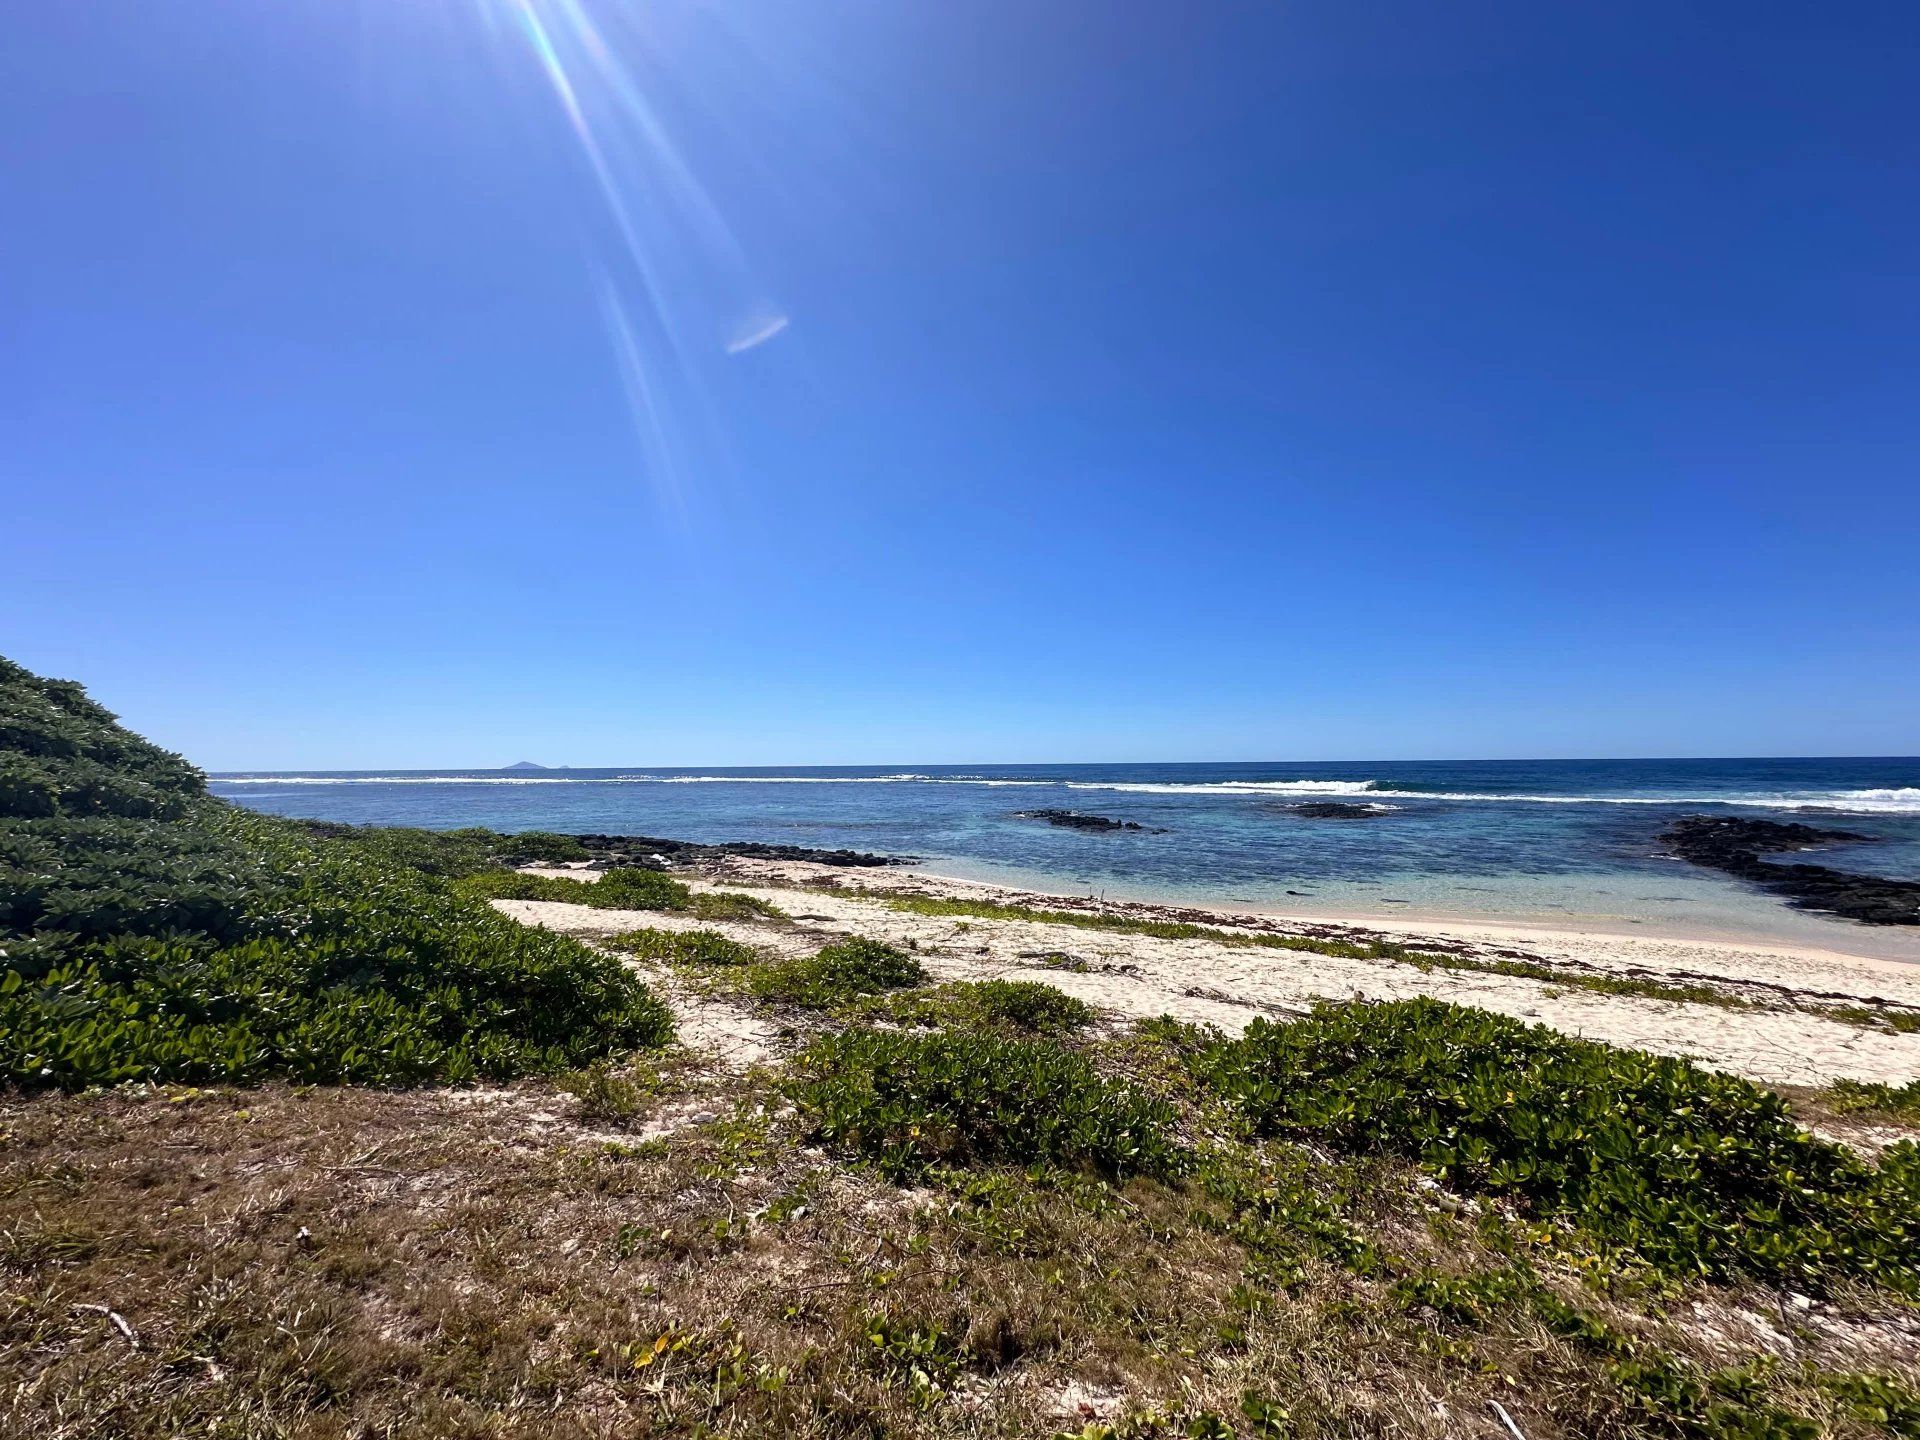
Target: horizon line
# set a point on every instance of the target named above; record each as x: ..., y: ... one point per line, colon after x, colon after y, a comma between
x: 1038, y: 764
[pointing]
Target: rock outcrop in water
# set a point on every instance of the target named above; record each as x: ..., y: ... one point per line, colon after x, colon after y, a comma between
x: 1734, y: 846
x: 1334, y: 810
x: 1074, y: 820
x: 652, y: 852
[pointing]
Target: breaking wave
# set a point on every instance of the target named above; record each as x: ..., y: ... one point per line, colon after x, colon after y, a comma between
x: 1887, y: 800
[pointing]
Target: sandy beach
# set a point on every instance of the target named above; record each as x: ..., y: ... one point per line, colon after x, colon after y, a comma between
x: 1779, y: 1015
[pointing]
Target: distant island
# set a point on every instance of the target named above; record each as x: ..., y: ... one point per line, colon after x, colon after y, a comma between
x: 526, y: 765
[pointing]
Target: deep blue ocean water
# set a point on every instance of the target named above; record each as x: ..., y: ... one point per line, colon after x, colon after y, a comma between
x: 1572, y: 840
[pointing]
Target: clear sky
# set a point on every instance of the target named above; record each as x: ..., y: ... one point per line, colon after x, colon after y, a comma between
x: 454, y: 382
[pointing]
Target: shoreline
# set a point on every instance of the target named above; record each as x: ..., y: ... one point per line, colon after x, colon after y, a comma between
x: 1852, y: 943
x: 1781, y: 1016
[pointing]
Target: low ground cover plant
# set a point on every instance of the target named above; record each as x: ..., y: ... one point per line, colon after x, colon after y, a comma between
x: 1698, y: 1173
x: 1869, y: 1098
x: 618, y: 889
x: 452, y: 853
x: 1021, y: 1007
x: 150, y: 932
x: 838, y: 973
x: 908, y: 1101
x: 685, y: 947
x: 732, y: 905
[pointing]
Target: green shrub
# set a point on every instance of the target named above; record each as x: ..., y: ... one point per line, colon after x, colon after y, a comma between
x: 839, y: 972
x: 453, y: 852
x: 1698, y: 1172
x: 149, y: 932
x: 537, y: 846
x: 1859, y: 1097
x: 1018, y: 1006
x: 908, y: 1101
x: 1883, y: 1400
x: 1030, y: 1005
x: 448, y: 853
x: 732, y: 905
x: 604, y: 1095
x: 614, y: 890
x: 685, y: 947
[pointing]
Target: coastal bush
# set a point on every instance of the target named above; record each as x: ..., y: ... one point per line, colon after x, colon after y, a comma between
x: 1017, y: 1006
x: 685, y: 947
x: 732, y: 905
x: 530, y: 847
x: 1698, y: 1172
x: 839, y: 972
x: 150, y: 932
x: 446, y: 853
x: 1860, y: 1097
x: 622, y: 889
x: 453, y: 853
x: 908, y: 1101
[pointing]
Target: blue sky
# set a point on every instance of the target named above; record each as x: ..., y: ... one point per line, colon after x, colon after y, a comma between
x: 1132, y: 382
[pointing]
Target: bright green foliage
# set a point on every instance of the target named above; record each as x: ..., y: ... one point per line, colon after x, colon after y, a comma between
x: 1878, y: 1399
x: 432, y: 852
x: 62, y: 754
x: 452, y: 852
x: 531, y: 847
x: 908, y: 1101
x: 732, y: 905
x: 685, y: 947
x: 614, y: 890
x: 1700, y: 1173
x: 840, y: 972
x: 1021, y: 1007
x: 1858, y: 1097
x: 1030, y: 1005
x: 150, y: 932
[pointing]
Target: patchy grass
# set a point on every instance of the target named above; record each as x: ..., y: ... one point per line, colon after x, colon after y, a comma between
x: 837, y: 974
x: 1899, y: 1022
x: 1688, y: 994
x: 1130, y: 925
x: 1697, y: 994
x: 427, y: 1264
x: 1870, y: 1100
x: 610, y: 1094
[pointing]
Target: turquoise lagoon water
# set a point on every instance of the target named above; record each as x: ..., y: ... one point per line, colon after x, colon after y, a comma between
x: 1534, y: 842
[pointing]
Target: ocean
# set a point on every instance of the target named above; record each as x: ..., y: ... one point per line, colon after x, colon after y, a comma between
x: 1569, y: 842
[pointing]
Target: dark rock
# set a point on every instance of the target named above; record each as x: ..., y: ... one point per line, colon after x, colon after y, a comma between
x: 1074, y: 820
x: 1333, y: 810
x: 1734, y: 846
x: 653, y: 853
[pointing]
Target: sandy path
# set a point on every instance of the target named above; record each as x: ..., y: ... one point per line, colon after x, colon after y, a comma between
x: 1226, y: 985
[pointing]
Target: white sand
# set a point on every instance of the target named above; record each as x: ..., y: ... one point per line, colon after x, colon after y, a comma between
x: 1776, y: 1041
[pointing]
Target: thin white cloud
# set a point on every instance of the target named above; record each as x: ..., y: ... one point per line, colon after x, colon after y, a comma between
x: 759, y: 334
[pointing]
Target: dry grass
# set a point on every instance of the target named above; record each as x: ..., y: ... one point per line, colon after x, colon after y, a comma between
x: 663, y: 1252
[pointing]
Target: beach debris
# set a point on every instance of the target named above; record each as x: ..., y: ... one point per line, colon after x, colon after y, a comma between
x: 116, y: 1319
